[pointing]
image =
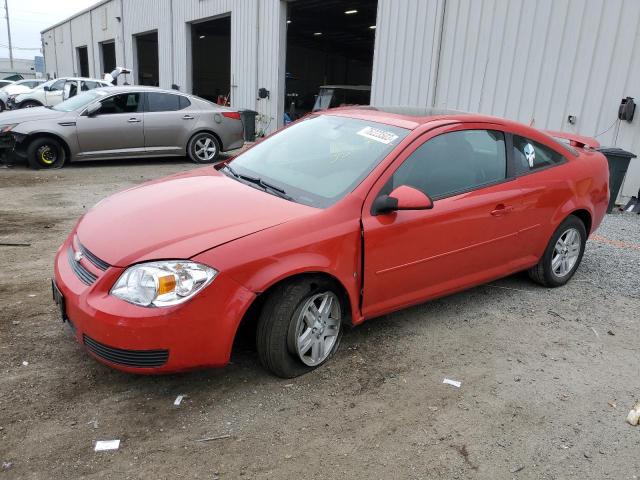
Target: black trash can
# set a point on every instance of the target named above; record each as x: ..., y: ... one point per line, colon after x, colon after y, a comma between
x: 618, y: 164
x: 248, y: 118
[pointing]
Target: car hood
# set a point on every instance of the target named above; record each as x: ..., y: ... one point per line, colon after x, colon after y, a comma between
x: 180, y: 216
x: 15, y: 89
x: 30, y: 114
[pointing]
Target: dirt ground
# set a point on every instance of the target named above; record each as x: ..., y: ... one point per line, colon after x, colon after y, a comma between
x: 548, y: 376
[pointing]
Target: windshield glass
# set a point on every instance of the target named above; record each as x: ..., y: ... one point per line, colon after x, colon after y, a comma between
x: 321, y: 159
x: 79, y: 101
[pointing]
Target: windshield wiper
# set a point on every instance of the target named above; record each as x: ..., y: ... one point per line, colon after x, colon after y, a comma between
x: 261, y: 183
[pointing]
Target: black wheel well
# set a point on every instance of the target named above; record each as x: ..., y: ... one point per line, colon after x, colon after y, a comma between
x: 585, y: 218
x: 210, y: 132
x: 30, y: 100
x: 247, y: 327
x: 35, y: 136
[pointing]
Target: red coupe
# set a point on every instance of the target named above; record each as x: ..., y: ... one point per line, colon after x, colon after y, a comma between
x: 343, y: 216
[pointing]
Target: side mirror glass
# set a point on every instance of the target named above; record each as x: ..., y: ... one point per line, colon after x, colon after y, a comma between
x: 92, y: 109
x: 402, y: 198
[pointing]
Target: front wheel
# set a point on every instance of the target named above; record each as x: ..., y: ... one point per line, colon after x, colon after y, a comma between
x: 300, y: 327
x: 45, y: 153
x: 562, y: 255
x: 30, y: 104
x: 203, y: 148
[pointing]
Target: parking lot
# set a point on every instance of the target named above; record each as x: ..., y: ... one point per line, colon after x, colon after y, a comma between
x: 548, y: 375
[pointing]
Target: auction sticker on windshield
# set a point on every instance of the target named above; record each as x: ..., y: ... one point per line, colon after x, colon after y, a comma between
x: 378, y: 135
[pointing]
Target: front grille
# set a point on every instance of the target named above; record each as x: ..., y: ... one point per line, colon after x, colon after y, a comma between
x: 101, y: 264
x: 83, y: 274
x: 129, y: 358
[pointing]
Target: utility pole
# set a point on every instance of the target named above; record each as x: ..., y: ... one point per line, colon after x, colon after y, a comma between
x: 6, y: 8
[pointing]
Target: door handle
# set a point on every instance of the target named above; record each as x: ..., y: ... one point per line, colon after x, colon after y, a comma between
x: 501, y: 209
x: 134, y: 120
x: 187, y: 117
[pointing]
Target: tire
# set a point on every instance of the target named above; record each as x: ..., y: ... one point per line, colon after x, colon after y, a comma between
x: 203, y: 147
x: 30, y: 104
x: 45, y: 153
x: 560, y: 262
x: 287, y: 344
x: 2, y: 106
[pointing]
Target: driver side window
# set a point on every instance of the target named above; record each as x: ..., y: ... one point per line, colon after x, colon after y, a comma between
x: 57, y: 86
x: 123, y: 103
x: 453, y: 163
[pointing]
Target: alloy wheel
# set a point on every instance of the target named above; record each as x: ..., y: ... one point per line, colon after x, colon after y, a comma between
x: 205, y: 149
x: 317, y: 328
x: 566, y: 252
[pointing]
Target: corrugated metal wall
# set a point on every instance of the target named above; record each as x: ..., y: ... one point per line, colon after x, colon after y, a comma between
x: 532, y: 61
x: 406, y: 52
x: 253, y: 47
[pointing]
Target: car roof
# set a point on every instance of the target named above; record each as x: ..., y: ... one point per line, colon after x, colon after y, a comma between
x: 102, y: 80
x: 411, y: 117
x: 141, y: 88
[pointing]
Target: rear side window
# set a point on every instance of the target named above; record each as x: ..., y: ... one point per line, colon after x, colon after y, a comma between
x: 184, y: 102
x: 165, y: 102
x: 530, y: 155
x: 454, y: 162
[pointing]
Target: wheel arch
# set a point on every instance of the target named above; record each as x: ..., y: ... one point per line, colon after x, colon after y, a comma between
x: 204, y: 130
x: 35, y: 135
x: 585, y: 216
x: 248, y: 322
x: 30, y: 100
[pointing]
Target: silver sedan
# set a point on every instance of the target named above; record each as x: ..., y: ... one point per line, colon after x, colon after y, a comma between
x: 122, y: 122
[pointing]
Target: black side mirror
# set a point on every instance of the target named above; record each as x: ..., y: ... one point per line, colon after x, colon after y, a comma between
x: 402, y: 198
x: 46, y: 88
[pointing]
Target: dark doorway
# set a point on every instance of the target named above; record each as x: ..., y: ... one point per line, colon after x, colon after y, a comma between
x: 211, y: 60
x: 329, y: 42
x: 83, y: 61
x: 108, y: 52
x: 147, y: 55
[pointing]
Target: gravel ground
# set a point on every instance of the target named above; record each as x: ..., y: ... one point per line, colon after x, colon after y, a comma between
x: 548, y: 376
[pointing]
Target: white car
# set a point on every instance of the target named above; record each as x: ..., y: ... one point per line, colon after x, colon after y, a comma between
x: 55, y: 91
x: 15, y: 88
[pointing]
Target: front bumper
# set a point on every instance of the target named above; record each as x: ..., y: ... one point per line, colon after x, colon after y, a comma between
x: 196, y: 334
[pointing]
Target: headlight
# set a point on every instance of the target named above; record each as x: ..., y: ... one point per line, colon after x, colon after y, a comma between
x: 7, y: 128
x: 162, y: 284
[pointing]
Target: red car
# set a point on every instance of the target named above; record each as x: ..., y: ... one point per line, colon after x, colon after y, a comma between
x: 343, y: 216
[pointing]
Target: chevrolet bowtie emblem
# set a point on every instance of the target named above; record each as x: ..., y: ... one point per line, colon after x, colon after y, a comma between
x: 78, y: 256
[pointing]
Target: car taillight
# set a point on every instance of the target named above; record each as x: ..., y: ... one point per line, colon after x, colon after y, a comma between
x: 233, y: 115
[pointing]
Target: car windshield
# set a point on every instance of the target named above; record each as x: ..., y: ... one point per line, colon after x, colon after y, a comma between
x: 319, y: 160
x: 79, y: 101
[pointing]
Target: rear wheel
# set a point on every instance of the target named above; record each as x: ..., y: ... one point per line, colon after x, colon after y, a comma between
x: 562, y: 255
x: 203, y: 148
x: 300, y: 327
x: 46, y: 152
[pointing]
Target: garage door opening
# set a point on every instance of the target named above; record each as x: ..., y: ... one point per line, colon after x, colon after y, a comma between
x: 329, y: 43
x: 83, y: 61
x: 211, y: 59
x: 147, y: 59
x: 108, y: 57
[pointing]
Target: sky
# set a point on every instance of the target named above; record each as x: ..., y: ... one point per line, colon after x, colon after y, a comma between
x: 29, y: 18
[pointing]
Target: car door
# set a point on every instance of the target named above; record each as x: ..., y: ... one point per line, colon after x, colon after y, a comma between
x: 116, y: 130
x: 468, y: 237
x: 168, y: 122
x: 55, y: 93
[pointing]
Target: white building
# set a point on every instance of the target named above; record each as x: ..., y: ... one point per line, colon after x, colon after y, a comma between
x: 559, y: 64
